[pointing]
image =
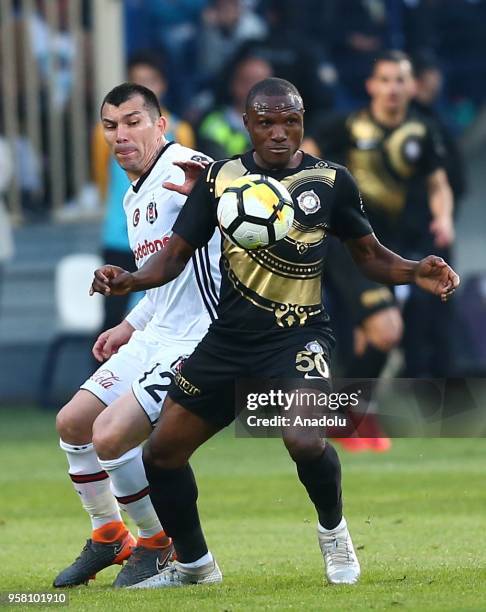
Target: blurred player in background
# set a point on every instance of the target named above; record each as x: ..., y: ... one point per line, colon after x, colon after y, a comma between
x: 396, y: 157
x: 222, y: 132
x: 270, y: 323
x: 368, y: 325
x: 434, y: 356
x: 163, y: 327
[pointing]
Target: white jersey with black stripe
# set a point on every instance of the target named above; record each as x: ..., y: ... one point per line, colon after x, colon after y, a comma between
x: 184, y: 308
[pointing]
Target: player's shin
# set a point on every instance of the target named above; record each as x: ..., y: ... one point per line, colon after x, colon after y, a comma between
x: 153, y: 550
x: 130, y: 487
x: 92, y: 484
x: 322, y: 479
x: 367, y: 425
x: 174, y: 496
x: 110, y: 542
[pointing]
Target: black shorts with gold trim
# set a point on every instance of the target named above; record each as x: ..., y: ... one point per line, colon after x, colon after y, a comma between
x: 205, y: 382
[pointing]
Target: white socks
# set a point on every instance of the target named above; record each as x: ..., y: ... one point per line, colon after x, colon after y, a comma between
x: 91, y: 483
x: 341, y: 525
x: 207, y: 558
x: 130, y: 487
x: 98, y: 483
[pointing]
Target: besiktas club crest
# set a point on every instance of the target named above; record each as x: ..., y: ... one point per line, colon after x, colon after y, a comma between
x: 309, y: 202
x: 151, y: 214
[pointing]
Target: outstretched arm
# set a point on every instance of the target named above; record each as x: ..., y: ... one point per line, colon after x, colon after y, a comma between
x: 379, y: 263
x: 441, y: 203
x: 384, y: 266
x: 161, y: 268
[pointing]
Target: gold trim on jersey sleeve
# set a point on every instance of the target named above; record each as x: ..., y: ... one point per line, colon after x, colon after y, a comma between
x: 228, y: 173
x: 372, y: 297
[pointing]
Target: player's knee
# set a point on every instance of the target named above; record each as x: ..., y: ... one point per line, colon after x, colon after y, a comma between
x: 107, y: 448
x: 164, y: 457
x: 304, y: 448
x: 385, y: 329
x: 71, y: 426
x: 390, y: 338
x: 107, y: 445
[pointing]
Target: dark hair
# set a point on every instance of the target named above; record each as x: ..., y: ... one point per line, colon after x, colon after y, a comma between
x: 148, y: 58
x: 391, y: 55
x: 423, y: 62
x: 121, y: 93
x: 271, y: 87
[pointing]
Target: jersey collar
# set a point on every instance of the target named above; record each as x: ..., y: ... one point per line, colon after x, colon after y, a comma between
x: 136, y: 186
x: 249, y: 163
x: 387, y: 128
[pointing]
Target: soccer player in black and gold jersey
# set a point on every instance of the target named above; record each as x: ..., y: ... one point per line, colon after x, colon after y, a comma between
x: 392, y: 151
x: 271, y: 323
x: 396, y: 157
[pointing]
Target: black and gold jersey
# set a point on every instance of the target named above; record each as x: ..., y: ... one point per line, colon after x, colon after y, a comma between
x: 279, y: 287
x: 385, y: 160
x: 389, y: 165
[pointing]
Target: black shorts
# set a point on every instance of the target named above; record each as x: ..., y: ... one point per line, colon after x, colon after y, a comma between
x: 205, y: 382
x: 360, y: 295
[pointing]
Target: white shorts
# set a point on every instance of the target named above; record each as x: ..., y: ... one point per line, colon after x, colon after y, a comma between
x: 135, y: 360
x: 151, y: 388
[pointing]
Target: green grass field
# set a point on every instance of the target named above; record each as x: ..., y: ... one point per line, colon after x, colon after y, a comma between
x: 417, y: 517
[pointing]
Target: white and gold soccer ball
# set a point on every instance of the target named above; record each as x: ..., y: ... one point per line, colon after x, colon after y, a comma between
x: 255, y: 211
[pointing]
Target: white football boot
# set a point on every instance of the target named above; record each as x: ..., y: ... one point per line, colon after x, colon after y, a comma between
x: 342, y: 565
x: 176, y: 575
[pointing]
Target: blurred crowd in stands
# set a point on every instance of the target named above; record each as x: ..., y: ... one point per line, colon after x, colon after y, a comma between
x: 208, y: 53
x: 202, y: 56
x: 324, y: 46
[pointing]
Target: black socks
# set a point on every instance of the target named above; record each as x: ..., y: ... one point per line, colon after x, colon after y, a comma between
x: 174, y: 496
x: 322, y: 479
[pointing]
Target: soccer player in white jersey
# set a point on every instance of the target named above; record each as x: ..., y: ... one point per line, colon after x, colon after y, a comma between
x: 163, y: 327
